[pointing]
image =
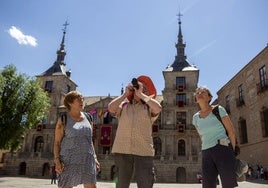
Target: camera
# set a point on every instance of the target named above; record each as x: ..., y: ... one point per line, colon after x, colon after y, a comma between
x: 135, y: 83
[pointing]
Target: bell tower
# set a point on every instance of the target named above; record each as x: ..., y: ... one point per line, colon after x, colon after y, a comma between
x: 56, y: 81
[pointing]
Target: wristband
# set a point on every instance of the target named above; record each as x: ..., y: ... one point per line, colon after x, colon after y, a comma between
x: 147, y: 99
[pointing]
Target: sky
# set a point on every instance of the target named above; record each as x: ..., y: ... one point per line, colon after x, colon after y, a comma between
x: 108, y: 42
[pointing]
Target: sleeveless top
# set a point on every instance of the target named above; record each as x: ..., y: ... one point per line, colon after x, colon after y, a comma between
x: 77, y: 154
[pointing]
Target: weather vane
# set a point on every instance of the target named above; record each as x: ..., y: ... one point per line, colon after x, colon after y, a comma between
x: 65, y: 26
x: 179, y: 15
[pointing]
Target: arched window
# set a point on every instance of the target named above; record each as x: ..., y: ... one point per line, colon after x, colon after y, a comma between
x: 39, y: 144
x: 181, y: 148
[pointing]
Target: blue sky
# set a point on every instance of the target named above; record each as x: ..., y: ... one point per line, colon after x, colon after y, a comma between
x: 108, y: 42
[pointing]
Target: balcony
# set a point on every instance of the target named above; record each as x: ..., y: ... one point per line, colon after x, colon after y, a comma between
x: 48, y: 90
x: 181, y: 128
x: 180, y: 88
x: 262, y: 86
x: 240, y: 102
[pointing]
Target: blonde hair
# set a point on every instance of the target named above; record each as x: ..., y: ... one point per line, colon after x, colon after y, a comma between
x: 70, y: 97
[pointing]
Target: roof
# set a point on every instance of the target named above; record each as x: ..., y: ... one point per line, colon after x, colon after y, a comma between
x: 56, y: 69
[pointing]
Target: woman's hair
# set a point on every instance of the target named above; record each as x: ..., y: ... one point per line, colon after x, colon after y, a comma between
x: 205, y: 89
x: 70, y: 97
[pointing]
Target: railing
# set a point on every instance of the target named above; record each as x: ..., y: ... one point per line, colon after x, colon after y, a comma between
x: 240, y: 102
x: 262, y: 86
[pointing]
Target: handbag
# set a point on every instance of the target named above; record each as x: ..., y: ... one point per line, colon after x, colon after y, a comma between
x: 241, y: 167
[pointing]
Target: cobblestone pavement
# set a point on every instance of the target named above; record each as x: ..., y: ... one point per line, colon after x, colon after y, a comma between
x: 22, y: 182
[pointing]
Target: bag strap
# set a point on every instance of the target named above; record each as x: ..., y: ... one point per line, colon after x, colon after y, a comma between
x: 64, y: 118
x: 88, y: 116
x: 216, y: 112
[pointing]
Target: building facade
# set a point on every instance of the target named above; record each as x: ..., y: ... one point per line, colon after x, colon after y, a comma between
x: 177, y: 144
x: 36, y: 156
x: 245, y: 97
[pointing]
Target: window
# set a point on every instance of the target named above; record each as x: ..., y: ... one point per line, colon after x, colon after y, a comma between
x: 181, y: 148
x: 181, y: 99
x: 49, y: 86
x: 243, y: 131
x: 240, y: 93
x: 227, y: 103
x: 181, y: 118
x: 68, y: 88
x: 39, y: 144
x: 263, y: 78
x: 263, y: 85
x: 264, y: 122
x: 240, y: 101
x: 180, y: 83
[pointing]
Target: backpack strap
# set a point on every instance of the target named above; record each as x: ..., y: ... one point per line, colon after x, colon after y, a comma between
x: 89, y: 117
x: 216, y: 112
x: 63, y: 118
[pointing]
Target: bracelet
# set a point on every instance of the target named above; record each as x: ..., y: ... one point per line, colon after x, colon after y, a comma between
x: 147, y: 99
x: 56, y: 158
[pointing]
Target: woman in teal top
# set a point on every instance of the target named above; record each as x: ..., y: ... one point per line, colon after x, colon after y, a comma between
x: 218, y: 156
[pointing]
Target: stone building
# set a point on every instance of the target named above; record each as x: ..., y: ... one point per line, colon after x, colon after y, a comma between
x: 36, y: 156
x: 245, y: 97
x: 177, y: 145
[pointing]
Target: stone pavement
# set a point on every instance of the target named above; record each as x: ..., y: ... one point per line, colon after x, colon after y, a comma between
x: 22, y: 182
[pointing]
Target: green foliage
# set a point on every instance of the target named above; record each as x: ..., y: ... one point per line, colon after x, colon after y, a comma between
x: 23, y: 104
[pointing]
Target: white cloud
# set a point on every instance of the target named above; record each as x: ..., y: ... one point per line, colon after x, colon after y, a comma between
x: 22, y: 38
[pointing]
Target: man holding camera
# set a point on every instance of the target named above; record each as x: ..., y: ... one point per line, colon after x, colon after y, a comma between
x: 136, y: 110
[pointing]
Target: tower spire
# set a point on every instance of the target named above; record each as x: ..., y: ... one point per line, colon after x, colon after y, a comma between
x: 180, y: 46
x: 59, y: 67
x: 61, y: 52
x: 180, y: 61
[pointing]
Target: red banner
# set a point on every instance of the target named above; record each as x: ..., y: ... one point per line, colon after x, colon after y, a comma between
x: 181, y: 128
x: 105, y: 135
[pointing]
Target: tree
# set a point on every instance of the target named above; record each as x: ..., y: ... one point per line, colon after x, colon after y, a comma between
x: 23, y: 105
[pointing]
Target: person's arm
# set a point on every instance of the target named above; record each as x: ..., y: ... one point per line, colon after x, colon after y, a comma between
x: 230, y: 129
x: 98, y: 167
x: 59, y: 132
x: 154, y: 105
x: 114, y: 104
x: 95, y: 156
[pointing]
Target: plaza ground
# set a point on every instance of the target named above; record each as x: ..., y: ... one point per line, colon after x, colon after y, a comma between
x: 23, y: 182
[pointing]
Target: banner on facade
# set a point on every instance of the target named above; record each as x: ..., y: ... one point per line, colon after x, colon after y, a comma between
x: 181, y: 128
x: 105, y: 135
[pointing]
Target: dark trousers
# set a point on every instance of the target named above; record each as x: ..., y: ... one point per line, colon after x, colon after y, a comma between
x: 54, y: 178
x: 144, y: 170
x: 218, y: 160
